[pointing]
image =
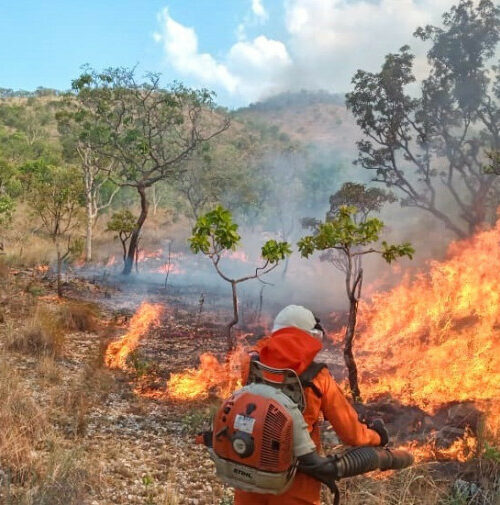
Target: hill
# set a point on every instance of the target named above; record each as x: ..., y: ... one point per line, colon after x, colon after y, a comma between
x: 309, y: 117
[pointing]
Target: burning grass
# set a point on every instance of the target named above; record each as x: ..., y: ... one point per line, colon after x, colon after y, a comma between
x: 119, y: 350
x: 211, y: 377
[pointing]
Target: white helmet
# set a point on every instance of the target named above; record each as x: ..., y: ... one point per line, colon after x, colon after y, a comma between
x: 298, y: 317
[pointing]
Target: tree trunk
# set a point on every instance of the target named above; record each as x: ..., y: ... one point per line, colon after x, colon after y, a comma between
x: 230, y: 336
x: 90, y: 232
x: 348, y: 355
x: 134, y: 239
x: 58, y: 271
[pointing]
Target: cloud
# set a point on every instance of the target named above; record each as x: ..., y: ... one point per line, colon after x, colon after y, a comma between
x: 330, y: 39
x: 181, y: 48
x: 259, y: 10
x: 249, y: 69
x: 324, y: 43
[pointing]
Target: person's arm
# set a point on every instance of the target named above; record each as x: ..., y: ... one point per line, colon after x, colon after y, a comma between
x: 341, y: 415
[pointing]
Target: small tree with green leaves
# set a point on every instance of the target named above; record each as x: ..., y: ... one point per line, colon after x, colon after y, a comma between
x: 213, y: 234
x: 123, y: 223
x: 56, y: 197
x: 344, y: 242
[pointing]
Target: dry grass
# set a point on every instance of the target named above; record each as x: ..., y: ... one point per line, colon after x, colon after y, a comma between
x: 63, y: 479
x: 419, y: 485
x: 43, y: 335
x: 4, y: 270
x: 79, y: 316
x: 23, y: 424
x: 49, y: 370
x: 82, y: 394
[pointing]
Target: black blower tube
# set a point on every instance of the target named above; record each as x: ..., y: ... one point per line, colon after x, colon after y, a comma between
x: 355, y: 461
x: 365, y: 459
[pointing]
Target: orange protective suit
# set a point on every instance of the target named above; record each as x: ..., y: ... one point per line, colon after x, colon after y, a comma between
x: 294, y: 348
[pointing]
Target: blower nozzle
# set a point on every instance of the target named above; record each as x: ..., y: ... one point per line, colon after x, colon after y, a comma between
x: 353, y: 462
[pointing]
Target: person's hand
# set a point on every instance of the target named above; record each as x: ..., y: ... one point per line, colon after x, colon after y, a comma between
x: 378, y: 426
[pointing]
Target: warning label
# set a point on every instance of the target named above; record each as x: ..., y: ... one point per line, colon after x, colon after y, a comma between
x: 244, y: 423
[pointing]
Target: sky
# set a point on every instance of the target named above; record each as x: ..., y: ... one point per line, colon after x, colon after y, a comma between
x: 244, y: 50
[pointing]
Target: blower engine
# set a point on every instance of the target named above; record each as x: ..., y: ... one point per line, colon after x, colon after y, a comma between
x: 260, y: 439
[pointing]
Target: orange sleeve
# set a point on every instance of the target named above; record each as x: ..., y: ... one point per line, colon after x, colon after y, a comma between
x: 341, y: 414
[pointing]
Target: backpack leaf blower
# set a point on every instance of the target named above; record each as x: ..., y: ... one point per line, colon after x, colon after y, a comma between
x: 259, y: 439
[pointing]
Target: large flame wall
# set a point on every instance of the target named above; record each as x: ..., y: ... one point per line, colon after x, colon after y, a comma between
x: 436, y: 339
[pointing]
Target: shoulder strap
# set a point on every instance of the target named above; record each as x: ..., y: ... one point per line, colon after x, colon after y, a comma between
x: 307, y: 377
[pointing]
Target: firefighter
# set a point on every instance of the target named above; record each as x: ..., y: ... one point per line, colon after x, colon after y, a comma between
x: 294, y: 343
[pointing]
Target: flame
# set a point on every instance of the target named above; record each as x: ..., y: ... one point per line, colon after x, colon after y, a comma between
x: 211, y: 376
x: 111, y: 261
x: 146, y: 255
x: 43, y: 269
x: 146, y: 316
x: 436, y: 339
x: 171, y: 268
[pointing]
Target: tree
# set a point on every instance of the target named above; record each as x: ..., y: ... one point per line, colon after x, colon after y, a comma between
x: 6, y: 210
x: 123, y: 223
x: 215, y: 233
x: 431, y: 148
x: 96, y: 169
x: 146, y: 130
x: 346, y: 236
x: 55, y: 195
x: 493, y: 166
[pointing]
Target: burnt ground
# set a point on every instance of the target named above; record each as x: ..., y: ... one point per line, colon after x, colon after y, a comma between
x: 143, y: 448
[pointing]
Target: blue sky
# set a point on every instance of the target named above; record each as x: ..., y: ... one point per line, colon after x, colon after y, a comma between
x: 242, y: 49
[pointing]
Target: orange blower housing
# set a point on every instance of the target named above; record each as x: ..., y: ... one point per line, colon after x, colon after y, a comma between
x: 253, y: 443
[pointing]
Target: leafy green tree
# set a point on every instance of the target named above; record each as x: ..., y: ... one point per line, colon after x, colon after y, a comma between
x: 215, y: 233
x: 96, y: 169
x: 146, y: 130
x: 345, y: 238
x: 123, y: 223
x: 6, y: 210
x: 430, y: 146
x: 56, y: 197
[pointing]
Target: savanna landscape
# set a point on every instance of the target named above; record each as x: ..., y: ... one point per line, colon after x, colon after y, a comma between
x: 149, y: 234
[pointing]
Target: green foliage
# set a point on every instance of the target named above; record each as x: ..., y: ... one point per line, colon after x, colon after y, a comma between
x: 56, y: 197
x: 341, y: 232
x: 148, y: 130
x: 344, y: 234
x: 392, y: 252
x: 274, y: 251
x: 122, y: 221
x: 214, y: 230
x: 139, y: 363
x: 492, y: 453
x: 365, y: 199
x: 7, y: 206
